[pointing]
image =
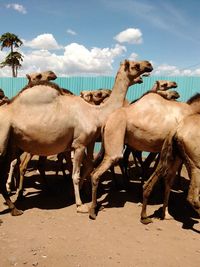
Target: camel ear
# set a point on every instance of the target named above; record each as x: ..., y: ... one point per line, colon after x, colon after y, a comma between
x: 39, y: 76
x: 28, y: 77
x: 126, y: 64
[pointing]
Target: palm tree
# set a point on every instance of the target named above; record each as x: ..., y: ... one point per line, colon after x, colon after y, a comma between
x: 10, y: 40
x: 12, y: 60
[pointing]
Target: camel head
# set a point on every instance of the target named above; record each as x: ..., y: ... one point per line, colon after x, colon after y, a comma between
x: 100, y: 95
x: 170, y: 95
x: 133, y: 69
x: 41, y: 76
x: 165, y: 85
x: 2, y: 95
x: 86, y: 95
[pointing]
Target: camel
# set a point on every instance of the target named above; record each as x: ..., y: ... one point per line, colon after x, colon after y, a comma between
x: 26, y: 157
x: 181, y: 145
x: 160, y: 87
x: 142, y: 126
x: 41, y: 76
x: 95, y: 97
x: 42, y: 120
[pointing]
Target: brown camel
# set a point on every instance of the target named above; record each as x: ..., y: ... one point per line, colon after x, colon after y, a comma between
x: 180, y: 145
x: 143, y: 126
x: 42, y: 120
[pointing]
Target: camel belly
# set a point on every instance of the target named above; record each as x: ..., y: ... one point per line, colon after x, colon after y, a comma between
x: 148, y: 138
x: 42, y: 133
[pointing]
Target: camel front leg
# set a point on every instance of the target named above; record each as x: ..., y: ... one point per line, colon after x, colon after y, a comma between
x: 22, y: 169
x: 95, y: 177
x: 4, y: 167
x: 78, y: 158
x: 10, y: 176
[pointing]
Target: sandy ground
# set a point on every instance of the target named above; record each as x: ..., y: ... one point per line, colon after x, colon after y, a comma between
x: 50, y: 232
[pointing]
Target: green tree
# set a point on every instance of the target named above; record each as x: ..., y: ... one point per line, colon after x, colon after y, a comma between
x: 13, y: 59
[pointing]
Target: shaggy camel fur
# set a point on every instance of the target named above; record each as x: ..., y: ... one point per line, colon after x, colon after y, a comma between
x: 143, y: 126
x: 41, y: 76
x: 70, y: 122
x: 182, y: 144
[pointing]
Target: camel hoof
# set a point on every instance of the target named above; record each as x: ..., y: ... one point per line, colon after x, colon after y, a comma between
x: 167, y: 217
x: 92, y: 214
x: 146, y: 220
x: 16, y: 212
x: 82, y: 208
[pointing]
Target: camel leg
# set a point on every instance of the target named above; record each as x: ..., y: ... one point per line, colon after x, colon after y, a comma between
x: 11, y: 174
x: 41, y: 168
x: 4, y: 168
x: 169, y: 180
x: 194, y: 188
x: 77, y: 160
x: 22, y: 169
x: 147, y: 189
x: 95, y: 177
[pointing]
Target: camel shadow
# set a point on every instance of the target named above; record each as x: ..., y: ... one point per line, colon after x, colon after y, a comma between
x: 56, y: 194
x: 179, y: 208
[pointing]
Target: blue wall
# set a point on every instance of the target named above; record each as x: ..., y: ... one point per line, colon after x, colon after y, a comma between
x: 187, y: 86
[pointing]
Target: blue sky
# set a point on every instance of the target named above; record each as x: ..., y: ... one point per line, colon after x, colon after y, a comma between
x: 86, y: 37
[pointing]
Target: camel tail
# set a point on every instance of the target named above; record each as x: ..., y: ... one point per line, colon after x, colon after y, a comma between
x: 168, y: 155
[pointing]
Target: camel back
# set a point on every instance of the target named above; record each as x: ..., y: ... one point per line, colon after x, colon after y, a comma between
x: 44, y: 83
x: 194, y: 98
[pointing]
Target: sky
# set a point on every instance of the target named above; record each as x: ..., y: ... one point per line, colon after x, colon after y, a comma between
x: 89, y: 38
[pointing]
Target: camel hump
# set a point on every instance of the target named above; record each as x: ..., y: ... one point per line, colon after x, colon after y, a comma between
x: 37, y: 90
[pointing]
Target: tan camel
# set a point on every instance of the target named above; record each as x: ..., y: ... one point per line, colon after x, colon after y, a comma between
x: 26, y: 157
x: 94, y: 97
x: 143, y: 126
x: 45, y: 121
x: 182, y: 144
x: 41, y: 76
x: 162, y: 85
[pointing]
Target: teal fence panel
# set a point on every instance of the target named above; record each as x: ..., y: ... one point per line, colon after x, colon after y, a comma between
x: 187, y: 86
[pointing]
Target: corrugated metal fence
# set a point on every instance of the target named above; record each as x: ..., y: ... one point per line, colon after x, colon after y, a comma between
x: 187, y: 86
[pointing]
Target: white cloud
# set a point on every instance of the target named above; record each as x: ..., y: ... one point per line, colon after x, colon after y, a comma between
x: 133, y: 56
x: 71, y: 32
x: 170, y: 70
x: 78, y: 59
x: 75, y: 60
x: 19, y: 8
x: 130, y: 35
x: 43, y: 41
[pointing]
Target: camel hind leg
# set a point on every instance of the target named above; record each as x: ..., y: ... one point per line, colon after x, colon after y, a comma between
x: 194, y: 188
x: 114, y: 145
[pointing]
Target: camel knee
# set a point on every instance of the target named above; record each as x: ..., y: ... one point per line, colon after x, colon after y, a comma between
x: 194, y: 202
x: 76, y: 179
x: 115, y: 158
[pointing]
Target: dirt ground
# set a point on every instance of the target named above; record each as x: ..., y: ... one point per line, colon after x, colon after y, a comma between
x: 50, y: 232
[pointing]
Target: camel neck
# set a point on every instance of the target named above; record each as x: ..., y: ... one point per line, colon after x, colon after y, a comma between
x: 195, y: 106
x: 117, y: 96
